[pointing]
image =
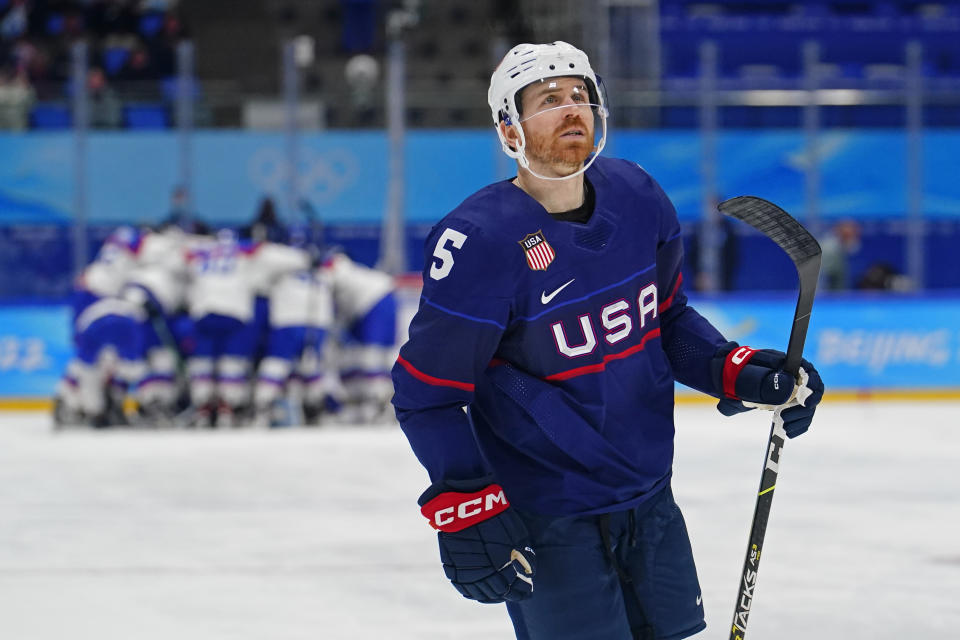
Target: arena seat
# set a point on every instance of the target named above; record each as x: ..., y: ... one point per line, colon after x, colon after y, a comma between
x: 114, y: 58
x: 50, y: 115
x: 150, y: 24
x: 145, y: 116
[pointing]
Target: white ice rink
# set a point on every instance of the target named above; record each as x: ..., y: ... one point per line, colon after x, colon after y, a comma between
x: 316, y: 534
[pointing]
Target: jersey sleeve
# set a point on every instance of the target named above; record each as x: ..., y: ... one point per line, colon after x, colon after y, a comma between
x: 462, y: 315
x: 688, y: 339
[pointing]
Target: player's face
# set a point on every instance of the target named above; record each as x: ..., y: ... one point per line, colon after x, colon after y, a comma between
x: 558, y: 123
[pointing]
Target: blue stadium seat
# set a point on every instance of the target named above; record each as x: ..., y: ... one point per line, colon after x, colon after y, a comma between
x: 150, y: 24
x: 114, y: 58
x: 146, y: 116
x: 864, y: 115
x: 50, y: 115
x: 761, y: 117
x: 55, y: 22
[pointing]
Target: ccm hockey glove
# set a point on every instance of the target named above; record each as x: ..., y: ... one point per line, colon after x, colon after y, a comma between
x: 484, y: 545
x: 749, y: 378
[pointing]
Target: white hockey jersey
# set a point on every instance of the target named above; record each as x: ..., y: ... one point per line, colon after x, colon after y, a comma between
x: 106, y: 275
x: 356, y: 287
x: 225, y: 275
x: 301, y: 299
x: 161, y: 269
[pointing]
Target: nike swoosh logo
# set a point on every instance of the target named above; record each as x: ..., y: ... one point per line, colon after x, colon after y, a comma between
x: 699, y: 600
x: 545, y: 297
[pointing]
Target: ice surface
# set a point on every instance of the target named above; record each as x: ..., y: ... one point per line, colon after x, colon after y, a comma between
x: 315, y: 534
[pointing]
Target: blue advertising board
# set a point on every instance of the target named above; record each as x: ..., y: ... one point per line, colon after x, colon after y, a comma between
x: 344, y: 174
x: 874, y: 343
x: 35, y: 346
x: 871, y: 343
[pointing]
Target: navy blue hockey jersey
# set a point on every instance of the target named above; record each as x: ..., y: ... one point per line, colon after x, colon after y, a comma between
x: 562, y: 340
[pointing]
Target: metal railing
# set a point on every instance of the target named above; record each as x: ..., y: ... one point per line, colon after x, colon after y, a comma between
x: 641, y: 102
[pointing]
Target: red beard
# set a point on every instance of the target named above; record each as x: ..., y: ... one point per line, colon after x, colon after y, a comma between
x: 567, y: 152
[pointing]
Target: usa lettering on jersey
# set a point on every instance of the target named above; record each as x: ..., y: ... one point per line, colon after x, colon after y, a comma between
x: 616, y: 319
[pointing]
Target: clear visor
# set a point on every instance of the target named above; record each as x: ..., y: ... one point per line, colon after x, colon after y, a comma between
x: 551, y: 95
x: 588, y: 112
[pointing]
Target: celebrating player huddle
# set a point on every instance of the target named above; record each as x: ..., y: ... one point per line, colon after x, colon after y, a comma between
x: 209, y: 331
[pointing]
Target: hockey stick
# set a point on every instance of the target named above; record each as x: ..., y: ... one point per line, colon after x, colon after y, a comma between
x: 789, y: 235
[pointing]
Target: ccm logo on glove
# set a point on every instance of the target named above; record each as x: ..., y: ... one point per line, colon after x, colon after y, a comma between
x: 452, y: 511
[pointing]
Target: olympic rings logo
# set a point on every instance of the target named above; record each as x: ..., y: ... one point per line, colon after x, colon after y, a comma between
x: 321, y: 176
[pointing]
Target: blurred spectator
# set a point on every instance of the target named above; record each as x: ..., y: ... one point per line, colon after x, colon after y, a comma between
x: 266, y: 226
x: 27, y: 56
x: 181, y: 215
x: 139, y: 66
x: 129, y: 39
x: 362, y: 73
x: 724, y: 238
x: 842, y: 241
x: 16, y: 98
x: 105, y: 106
x: 727, y: 256
x: 163, y: 48
x: 882, y: 276
x: 14, y: 22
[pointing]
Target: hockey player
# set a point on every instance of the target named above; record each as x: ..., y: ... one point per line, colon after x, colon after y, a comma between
x: 108, y: 339
x: 366, y: 312
x: 300, y: 313
x: 225, y: 274
x: 157, y: 282
x: 553, y: 310
x: 110, y: 352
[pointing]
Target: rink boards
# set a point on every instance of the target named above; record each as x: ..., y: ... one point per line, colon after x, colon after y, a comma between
x: 899, y: 346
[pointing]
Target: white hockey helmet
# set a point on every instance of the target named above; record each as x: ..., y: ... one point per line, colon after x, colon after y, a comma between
x: 528, y: 63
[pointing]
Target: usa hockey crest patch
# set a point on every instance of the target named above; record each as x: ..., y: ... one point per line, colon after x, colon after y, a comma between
x: 538, y: 251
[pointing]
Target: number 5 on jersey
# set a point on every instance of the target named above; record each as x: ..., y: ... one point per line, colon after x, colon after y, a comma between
x: 440, y: 270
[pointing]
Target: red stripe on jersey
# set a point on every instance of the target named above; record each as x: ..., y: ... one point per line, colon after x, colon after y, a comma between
x: 666, y: 303
x: 600, y: 366
x: 431, y: 380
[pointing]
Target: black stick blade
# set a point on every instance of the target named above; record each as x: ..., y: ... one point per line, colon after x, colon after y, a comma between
x: 775, y: 223
x: 799, y: 245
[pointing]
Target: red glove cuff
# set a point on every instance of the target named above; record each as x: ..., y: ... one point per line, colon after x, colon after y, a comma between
x: 734, y: 363
x: 452, y: 511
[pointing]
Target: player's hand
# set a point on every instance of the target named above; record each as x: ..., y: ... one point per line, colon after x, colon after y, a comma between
x: 484, y: 545
x: 750, y: 378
